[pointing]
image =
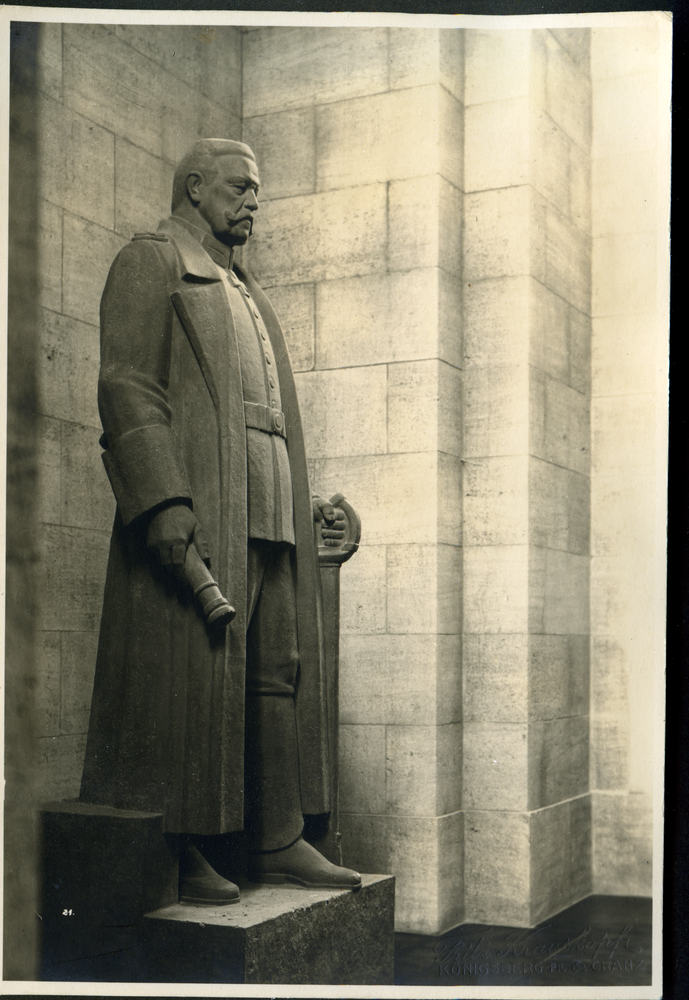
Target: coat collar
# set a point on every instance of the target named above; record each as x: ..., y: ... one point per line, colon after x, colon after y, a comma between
x: 195, y: 260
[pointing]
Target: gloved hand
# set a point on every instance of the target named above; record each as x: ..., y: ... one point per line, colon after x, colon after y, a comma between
x: 170, y: 533
x: 333, y: 517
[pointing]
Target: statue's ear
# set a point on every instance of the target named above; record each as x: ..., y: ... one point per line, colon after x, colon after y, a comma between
x: 194, y: 184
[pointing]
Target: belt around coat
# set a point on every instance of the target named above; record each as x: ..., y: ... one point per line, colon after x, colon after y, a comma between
x: 265, y: 418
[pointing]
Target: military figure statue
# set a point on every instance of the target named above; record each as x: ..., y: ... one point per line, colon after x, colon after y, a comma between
x: 217, y: 729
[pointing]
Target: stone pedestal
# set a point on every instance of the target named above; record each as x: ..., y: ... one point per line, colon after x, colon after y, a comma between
x: 276, y: 934
x: 110, y: 914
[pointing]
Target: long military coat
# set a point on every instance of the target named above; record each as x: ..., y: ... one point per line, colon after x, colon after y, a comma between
x: 167, y: 717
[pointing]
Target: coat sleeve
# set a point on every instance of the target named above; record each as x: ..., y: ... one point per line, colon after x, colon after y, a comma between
x: 142, y: 457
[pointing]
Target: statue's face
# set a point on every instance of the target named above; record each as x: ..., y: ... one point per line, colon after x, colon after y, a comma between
x: 228, y: 203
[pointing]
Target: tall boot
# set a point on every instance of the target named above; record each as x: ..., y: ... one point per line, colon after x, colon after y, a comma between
x: 278, y: 853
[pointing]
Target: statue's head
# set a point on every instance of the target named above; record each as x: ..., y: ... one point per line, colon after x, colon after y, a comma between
x: 215, y: 187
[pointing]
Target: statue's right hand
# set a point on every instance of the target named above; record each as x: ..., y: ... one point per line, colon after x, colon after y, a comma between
x: 171, y: 532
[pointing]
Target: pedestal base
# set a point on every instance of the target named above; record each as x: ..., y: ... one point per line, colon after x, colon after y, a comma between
x: 277, y: 934
x: 105, y: 868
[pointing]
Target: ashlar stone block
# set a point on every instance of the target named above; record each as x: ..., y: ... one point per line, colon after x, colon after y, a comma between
x: 558, y: 676
x: 627, y: 351
x: 424, y: 588
x: 287, y: 67
x: 341, y: 234
x: 424, y: 853
x: 78, y: 660
x: 113, y: 84
x: 495, y: 676
x: 77, y: 162
x: 625, y: 116
x: 344, y: 411
x: 49, y: 60
x: 74, y: 561
x: 497, y: 65
x: 208, y: 60
x: 47, y: 690
x: 143, y: 189
x: 420, y: 56
x: 48, y: 462
x: 399, y: 679
x: 424, y: 407
x: 295, y: 307
x: 49, y: 255
x: 567, y: 259
x: 496, y: 499
x: 624, y: 274
x: 395, y: 495
x: 362, y: 768
x: 363, y: 597
x: 496, y: 588
x: 59, y: 763
x: 618, y: 608
x: 496, y: 411
x: 88, y: 252
x: 610, y: 756
x: 497, y: 144
x: 558, y: 592
x: 567, y: 91
x: 577, y: 42
x: 624, y: 199
x: 284, y: 144
x: 496, y: 762
x: 560, y: 856
x: 349, y: 147
x: 505, y: 233
x: 68, y: 357
x: 423, y: 769
x: 622, y: 844
x: 85, y: 495
x: 558, y: 760
x: 496, y: 320
x: 623, y: 514
x: 559, y: 507
x: 560, y: 423
x: 431, y: 237
x: 378, y: 319
x: 624, y: 433
x: 497, y: 869
x: 449, y: 499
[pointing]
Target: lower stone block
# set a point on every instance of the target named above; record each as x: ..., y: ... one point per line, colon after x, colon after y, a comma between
x: 276, y: 934
x: 114, y: 859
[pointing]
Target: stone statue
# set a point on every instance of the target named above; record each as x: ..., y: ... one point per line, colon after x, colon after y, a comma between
x: 218, y: 728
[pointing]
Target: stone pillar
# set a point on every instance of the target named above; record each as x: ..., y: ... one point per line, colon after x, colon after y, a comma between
x: 358, y: 135
x: 526, y: 473
x: 630, y: 69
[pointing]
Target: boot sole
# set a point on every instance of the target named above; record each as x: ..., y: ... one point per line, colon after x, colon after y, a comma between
x: 198, y: 901
x: 277, y: 878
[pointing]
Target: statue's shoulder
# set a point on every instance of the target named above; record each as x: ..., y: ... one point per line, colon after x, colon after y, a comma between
x: 158, y: 237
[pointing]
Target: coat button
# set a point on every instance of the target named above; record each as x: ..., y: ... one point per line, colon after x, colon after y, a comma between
x: 271, y: 382
x: 268, y: 361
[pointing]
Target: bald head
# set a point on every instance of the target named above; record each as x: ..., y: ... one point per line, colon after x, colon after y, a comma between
x: 202, y: 159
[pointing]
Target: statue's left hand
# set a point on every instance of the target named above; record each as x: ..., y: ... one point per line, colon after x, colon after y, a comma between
x: 334, y: 521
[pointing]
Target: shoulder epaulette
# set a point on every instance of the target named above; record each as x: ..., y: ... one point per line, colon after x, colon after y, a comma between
x: 151, y: 236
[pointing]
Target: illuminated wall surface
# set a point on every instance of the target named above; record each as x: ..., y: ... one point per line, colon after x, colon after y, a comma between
x: 458, y: 230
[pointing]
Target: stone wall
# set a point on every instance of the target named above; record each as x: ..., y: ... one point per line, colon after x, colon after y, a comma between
x: 526, y: 288
x: 117, y: 107
x: 358, y: 134
x: 425, y: 236
x: 629, y: 406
